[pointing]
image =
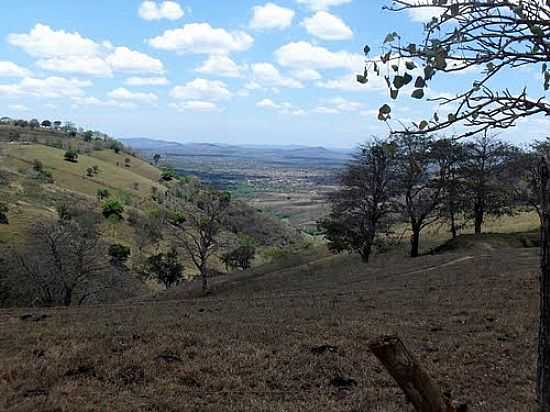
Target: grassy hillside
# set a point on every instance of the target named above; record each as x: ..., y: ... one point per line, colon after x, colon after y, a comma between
x: 288, y: 337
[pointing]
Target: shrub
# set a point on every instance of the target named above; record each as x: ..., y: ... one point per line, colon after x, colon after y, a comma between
x: 166, y: 268
x: 240, y: 258
x: 71, y: 156
x: 37, y: 165
x: 119, y: 254
x: 103, y: 194
x: 4, y: 214
x: 168, y: 174
x: 113, y: 208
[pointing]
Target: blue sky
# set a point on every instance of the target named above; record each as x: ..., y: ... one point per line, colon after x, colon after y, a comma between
x: 238, y: 71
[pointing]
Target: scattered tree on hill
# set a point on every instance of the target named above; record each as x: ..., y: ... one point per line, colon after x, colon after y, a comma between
x: 156, y: 159
x: 90, y: 172
x: 119, y: 255
x: 165, y: 268
x: 421, y: 173
x: 71, y: 156
x: 499, y: 36
x: 168, y: 174
x: 103, y: 194
x: 198, y: 226
x: 486, y: 185
x: 47, y: 124
x: 360, y: 210
x: 65, y: 263
x: 88, y: 135
x: 34, y: 124
x: 37, y: 165
x: 127, y: 162
x: 95, y: 169
x: 113, y: 208
x: 241, y: 257
x: 57, y: 124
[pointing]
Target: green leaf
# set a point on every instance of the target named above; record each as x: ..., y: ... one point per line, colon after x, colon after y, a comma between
x: 420, y: 83
x: 451, y: 117
x: 407, y: 78
x: 440, y: 62
x: 385, y: 109
x: 428, y: 72
x: 366, y: 50
x: 455, y: 9
x: 436, y: 117
x: 362, y: 79
x: 410, y: 65
x: 395, y: 67
x: 418, y: 94
x: 423, y: 124
x: 544, y: 67
x: 398, y: 82
x: 412, y: 48
x: 394, y: 93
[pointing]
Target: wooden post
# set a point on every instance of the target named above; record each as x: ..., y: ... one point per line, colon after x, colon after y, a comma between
x: 419, y: 388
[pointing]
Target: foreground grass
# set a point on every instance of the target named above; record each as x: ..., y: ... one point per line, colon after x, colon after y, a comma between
x: 257, y: 344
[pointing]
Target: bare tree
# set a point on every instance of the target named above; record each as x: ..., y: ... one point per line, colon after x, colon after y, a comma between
x: 499, y: 35
x: 65, y: 263
x: 365, y: 201
x: 197, y: 228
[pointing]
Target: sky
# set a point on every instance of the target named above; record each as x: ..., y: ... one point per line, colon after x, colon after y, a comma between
x: 219, y: 71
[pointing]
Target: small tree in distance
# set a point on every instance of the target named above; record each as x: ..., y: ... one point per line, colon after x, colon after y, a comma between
x: 71, y: 156
x: 165, y: 268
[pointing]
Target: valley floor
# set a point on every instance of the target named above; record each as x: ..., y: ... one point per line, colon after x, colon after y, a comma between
x: 257, y: 344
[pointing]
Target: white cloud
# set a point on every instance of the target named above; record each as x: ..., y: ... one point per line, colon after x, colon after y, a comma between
x: 150, y: 10
x: 195, y: 106
x: 349, y: 83
x: 345, y: 105
x: 88, y: 65
x: 327, y: 26
x: 202, y: 90
x: 323, y: 4
x: 325, y: 110
x: 64, y: 52
x: 267, y: 75
x: 126, y: 60
x: 94, y: 101
x: 304, y: 55
x: 44, y: 42
x: 283, y: 108
x: 147, y: 81
x: 221, y: 66
x: 19, y: 107
x: 10, y: 69
x: 201, y: 38
x: 48, y: 87
x: 425, y: 14
x: 126, y: 95
x: 270, y: 16
x: 307, y: 75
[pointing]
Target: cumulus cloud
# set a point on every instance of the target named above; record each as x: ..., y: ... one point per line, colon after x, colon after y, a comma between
x: 201, y: 38
x: 221, y: 66
x: 89, y: 65
x: 323, y: 4
x: 10, y: 69
x: 307, y: 75
x: 327, y: 26
x: 44, y: 42
x: 126, y: 95
x: 202, y: 90
x: 284, y: 107
x: 338, y: 105
x: 126, y: 60
x: 94, y: 101
x: 53, y: 87
x: 270, y: 17
x: 349, y: 83
x: 65, y: 52
x: 195, y: 106
x: 147, y: 81
x: 304, y: 55
x: 267, y: 75
x: 19, y: 107
x: 425, y: 14
x: 151, y: 10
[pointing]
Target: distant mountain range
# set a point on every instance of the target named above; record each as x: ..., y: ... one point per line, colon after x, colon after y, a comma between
x: 268, y: 152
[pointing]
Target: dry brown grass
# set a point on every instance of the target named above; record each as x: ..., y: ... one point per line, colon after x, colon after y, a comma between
x: 254, y: 345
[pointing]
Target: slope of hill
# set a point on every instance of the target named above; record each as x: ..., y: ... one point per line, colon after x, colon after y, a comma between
x: 288, y: 338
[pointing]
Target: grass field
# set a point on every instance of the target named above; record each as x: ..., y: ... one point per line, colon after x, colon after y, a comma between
x: 257, y: 343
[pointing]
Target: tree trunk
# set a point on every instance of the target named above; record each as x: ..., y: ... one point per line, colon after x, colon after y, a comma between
x: 543, y: 365
x: 415, y: 242
x: 68, y: 297
x: 454, y: 231
x: 415, y: 382
x: 479, y: 215
x: 204, y: 276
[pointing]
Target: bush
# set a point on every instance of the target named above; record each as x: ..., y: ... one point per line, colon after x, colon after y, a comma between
x: 71, y: 156
x: 37, y: 165
x: 119, y: 254
x: 240, y: 258
x: 165, y: 268
x: 168, y: 174
x: 113, y: 208
x: 103, y: 194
